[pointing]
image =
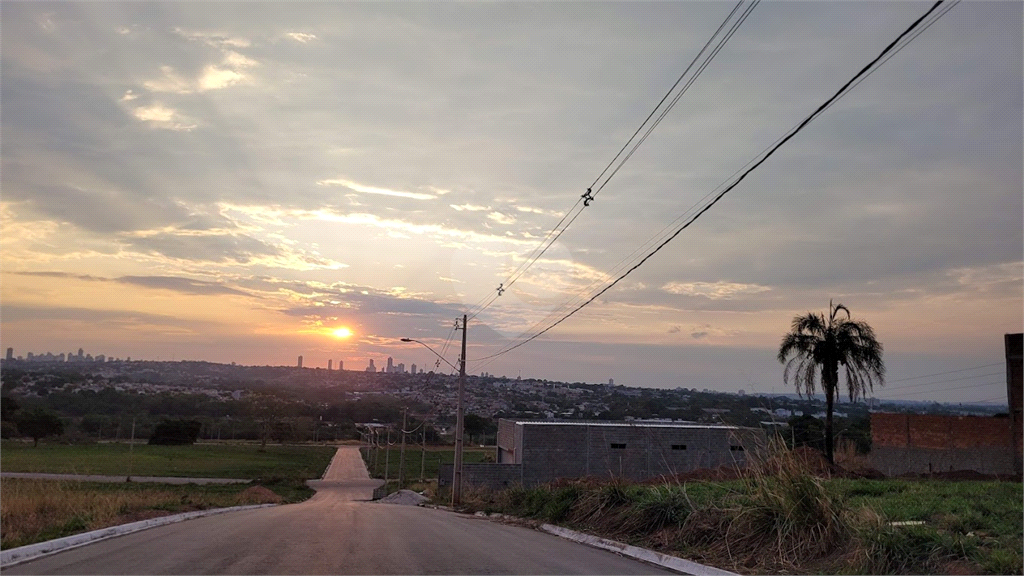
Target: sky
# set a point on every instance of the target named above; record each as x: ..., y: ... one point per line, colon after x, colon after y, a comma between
x: 248, y: 182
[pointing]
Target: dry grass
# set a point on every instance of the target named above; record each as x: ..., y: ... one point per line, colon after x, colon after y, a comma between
x: 39, y: 510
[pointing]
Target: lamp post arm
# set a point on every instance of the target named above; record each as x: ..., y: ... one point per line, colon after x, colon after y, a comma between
x: 443, y: 359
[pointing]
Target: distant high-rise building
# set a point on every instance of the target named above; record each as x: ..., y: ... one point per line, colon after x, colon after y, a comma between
x: 391, y: 365
x: 341, y: 365
x: 81, y: 354
x: 611, y: 381
x: 413, y: 369
x: 400, y: 368
x: 10, y: 354
x: 329, y: 364
x: 371, y: 367
x: 300, y: 361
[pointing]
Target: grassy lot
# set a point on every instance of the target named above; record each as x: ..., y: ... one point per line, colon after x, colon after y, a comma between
x: 434, y: 457
x: 200, y: 460
x: 39, y: 510
x: 788, y: 521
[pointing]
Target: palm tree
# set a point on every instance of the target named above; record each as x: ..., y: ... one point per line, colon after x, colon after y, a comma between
x: 816, y: 342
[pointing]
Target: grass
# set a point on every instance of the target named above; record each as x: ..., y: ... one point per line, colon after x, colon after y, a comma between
x: 783, y: 519
x: 199, y: 460
x: 39, y: 510
x: 377, y: 460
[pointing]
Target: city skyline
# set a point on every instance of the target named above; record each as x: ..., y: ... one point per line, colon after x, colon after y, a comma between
x: 187, y: 181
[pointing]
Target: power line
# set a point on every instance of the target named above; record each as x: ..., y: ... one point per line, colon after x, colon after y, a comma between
x: 941, y: 390
x: 665, y: 97
x: 944, y: 373
x: 878, y: 60
x: 665, y: 112
x: 918, y: 385
x: 552, y: 236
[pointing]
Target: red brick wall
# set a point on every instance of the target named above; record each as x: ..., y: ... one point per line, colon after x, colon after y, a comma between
x: 939, y: 432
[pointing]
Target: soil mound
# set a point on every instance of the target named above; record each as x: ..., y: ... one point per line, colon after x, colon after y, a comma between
x: 259, y: 495
x: 404, y: 497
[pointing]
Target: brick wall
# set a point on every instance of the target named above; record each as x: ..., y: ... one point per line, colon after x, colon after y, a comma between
x: 1014, y: 344
x: 913, y: 443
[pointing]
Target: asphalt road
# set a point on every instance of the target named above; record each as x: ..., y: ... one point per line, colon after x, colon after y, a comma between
x: 338, y: 531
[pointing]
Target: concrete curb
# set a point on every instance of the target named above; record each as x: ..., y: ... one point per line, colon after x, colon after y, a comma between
x: 650, y: 556
x: 21, y: 554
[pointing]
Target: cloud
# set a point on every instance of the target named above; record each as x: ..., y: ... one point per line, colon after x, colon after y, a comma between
x: 713, y: 290
x: 238, y: 248
x: 160, y: 116
x: 123, y: 318
x: 533, y: 210
x: 215, y: 39
x: 501, y: 218
x: 301, y: 36
x: 364, y: 189
x: 173, y: 283
x: 469, y: 207
x: 674, y: 330
x: 169, y: 81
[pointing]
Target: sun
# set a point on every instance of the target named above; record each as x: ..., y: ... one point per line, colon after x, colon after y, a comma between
x: 341, y: 332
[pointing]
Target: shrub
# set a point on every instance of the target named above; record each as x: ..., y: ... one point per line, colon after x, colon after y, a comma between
x: 176, y: 432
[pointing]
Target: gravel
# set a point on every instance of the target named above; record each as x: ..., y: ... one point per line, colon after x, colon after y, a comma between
x: 404, y: 497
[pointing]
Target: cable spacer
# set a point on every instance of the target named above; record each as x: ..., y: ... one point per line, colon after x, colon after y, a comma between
x: 587, y: 197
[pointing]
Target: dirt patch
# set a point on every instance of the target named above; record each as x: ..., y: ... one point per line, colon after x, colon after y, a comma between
x: 259, y: 495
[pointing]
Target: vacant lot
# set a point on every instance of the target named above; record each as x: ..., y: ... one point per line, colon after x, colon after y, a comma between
x: 39, y: 510
x: 793, y: 522
x: 200, y: 460
x: 381, y: 461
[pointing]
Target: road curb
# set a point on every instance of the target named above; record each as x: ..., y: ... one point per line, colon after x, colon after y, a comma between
x: 650, y: 556
x: 21, y: 554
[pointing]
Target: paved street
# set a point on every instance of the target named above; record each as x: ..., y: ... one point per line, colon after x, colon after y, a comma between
x: 338, y: 531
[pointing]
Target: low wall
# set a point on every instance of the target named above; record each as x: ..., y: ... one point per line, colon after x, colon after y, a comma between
x: 910, y: 460
x: 912, y: 443
x: 485, y: 474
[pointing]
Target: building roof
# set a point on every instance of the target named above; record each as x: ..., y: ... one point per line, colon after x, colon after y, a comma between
x: 623, y: 423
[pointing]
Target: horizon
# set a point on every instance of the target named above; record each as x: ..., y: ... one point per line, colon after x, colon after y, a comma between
x: 186, y: 180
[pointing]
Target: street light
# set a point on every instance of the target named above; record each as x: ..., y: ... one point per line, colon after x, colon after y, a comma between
x: 454, y: 367
x: 460, y: 413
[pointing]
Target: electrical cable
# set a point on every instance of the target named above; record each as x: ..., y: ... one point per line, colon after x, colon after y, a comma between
x: 841, y: 92
x: 556, y: 232
x: 944, y: 373
x: 662, y: 233
x: 941, y: 390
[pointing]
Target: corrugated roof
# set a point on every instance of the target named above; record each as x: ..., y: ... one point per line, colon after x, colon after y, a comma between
x: 620, y: 424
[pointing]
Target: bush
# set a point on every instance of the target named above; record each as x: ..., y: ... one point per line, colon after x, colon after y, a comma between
x: 176, y: 432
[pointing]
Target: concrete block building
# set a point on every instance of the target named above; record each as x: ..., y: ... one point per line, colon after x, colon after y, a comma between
x: 531, y: 452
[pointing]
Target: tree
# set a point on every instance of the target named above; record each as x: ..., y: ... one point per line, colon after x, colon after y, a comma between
x: 176, y: 432
x: 39, y: 423
x: 8, y: 416
x: 819, y: 344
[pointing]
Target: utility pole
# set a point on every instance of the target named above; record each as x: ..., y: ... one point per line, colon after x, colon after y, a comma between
x: 457, y: 480
x: 131, y: 447
x: 401, y: 457
x: 423, y: 453
x: 387, y: 459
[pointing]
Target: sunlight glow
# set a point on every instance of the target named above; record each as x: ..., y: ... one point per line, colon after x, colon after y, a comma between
x: 341, y: 332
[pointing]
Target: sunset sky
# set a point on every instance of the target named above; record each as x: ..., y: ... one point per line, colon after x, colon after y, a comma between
x: 239, y: 181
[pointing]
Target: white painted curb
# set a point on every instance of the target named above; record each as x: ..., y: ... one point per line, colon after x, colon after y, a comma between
x: 656, y: 558
x: 21, y: 554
